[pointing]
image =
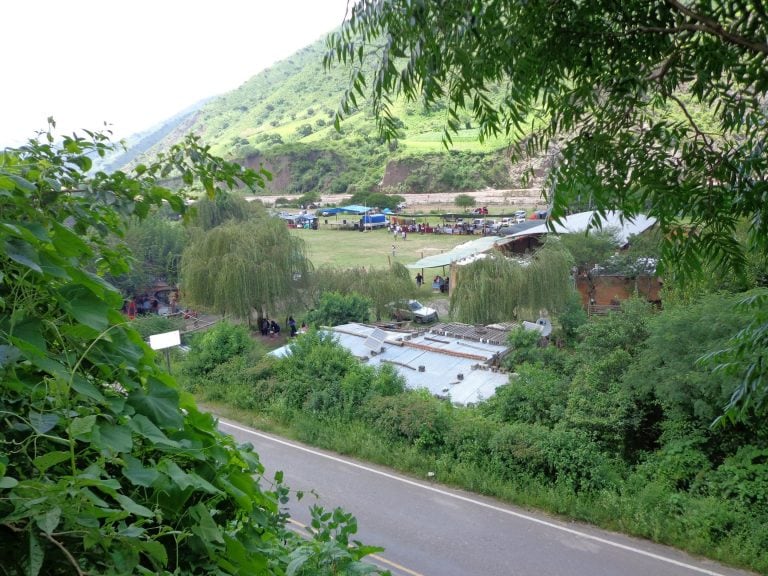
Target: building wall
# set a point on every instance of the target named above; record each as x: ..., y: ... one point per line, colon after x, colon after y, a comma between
x: 611, y: 290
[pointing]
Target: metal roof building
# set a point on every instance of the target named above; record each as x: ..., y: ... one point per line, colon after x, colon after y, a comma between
x: 593, y: 220
x: 462, y: 369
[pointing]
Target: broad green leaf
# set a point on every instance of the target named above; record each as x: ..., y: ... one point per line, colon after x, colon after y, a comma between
x: 49, y: 459
x: 7, y: 482
x: 83, y: 162
x: 132, y: 507
x: 144, y: 427
x: 204, y: 526
x: 84, y: 306
x: 132, y: 531
x: 36, y: 230
x: 23, y: 183
x: 80, y: 427
x: 51, y: 265
x: 67, y: 243
x: 22, y: 253
x: 181, y: 478
x: 112, y: 438
x: 298, y: 559
x: 85, y: 388
x: 160, y: 403
x: 43, y: 423
x: 138, y: 475
x: 155, y: 550
x: 98, y: 286
x: 48, y: 521
x: 31, y: 330
x: 36, y: 555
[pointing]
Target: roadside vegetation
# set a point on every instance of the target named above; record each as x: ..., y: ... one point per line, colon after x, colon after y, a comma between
x: 614, y: 428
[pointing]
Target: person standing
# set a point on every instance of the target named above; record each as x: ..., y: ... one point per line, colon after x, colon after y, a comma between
x: 292, y: 326
x: 419, y: 279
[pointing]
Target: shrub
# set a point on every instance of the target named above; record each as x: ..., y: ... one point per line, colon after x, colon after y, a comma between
x: 155, y: 324
x: 555, y: 455
x: 216, y: 346
x: 743, y: 477
x: 679, y: 464
x: 414, y: 417
x: 464, y: 201
x: 336, y: 308
x: 536, y: 396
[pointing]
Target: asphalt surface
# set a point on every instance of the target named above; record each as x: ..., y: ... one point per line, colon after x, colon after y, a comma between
x: 430, y: 530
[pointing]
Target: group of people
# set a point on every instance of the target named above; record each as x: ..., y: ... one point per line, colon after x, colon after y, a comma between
x: 440, y: 283
x: 141, y: 306
x: 272, y: 328
x: 398, y: 230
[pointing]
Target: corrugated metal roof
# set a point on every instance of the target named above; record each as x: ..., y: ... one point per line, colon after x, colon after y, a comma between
x: 459, y: 368
x: 583, y: 220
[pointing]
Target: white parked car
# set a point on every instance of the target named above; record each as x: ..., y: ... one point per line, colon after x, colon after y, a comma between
x: 413, y: 310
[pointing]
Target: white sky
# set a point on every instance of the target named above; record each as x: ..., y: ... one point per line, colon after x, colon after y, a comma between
x: 133, y: 63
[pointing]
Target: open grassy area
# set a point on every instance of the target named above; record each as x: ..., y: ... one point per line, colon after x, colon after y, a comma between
x: 353, y: 249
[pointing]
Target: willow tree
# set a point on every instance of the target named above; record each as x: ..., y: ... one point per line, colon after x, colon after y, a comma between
x: 243, y: 267
x: 499, y: 289
x: 208, y: 213
x: 380, y: 286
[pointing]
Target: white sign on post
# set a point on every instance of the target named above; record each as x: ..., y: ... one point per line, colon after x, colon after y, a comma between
x: 165, y: 340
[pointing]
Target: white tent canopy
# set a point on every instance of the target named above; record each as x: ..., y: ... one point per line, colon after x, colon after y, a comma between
x: 459, y: 252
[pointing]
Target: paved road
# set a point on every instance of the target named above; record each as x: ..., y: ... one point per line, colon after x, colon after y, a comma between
x: 430, y: 530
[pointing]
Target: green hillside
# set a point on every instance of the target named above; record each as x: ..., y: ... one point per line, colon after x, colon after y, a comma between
x: 282, y: 118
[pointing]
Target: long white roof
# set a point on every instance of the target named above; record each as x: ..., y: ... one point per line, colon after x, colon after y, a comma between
x: 465, y: 250
x: 447, y: 366
x: 594, y: 220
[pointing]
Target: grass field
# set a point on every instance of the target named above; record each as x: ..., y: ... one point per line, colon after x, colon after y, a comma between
x: 353, y: 249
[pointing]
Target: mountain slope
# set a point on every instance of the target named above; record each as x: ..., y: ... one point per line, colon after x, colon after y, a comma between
x: 282, y: 119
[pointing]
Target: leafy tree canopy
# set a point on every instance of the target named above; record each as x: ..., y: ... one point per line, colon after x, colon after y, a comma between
x: 377, y: 199
x: 335, y: 308
x: 241, y: 267
x: 464, y: 201
x: 642, y: 106
x: 106, y: 467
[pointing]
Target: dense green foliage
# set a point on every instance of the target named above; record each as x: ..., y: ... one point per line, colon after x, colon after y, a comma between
x: 106, y: 466
x: 335, y: 308
x: 614, y: 429
x: 380, y: 287
x: 155, y: 244
x: 217, y: 345
x: 464, y: 201
x: 498, y: 289
x: 613, y: 87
